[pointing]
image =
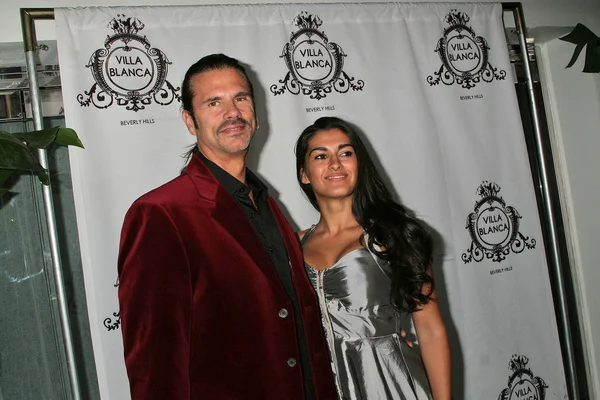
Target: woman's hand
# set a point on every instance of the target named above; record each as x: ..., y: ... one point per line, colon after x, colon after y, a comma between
x: 408, y: 342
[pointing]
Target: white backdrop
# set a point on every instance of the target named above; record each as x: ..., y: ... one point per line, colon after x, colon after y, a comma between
x: 428, y: 84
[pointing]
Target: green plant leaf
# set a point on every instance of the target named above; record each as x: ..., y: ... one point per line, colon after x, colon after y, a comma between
x: 15, y: 155
x: 3, y: 191
x: 68, y: 137
x: 4, y: 175
x: 39, y: 139
x: 43, y: 176
x: 9, y: 137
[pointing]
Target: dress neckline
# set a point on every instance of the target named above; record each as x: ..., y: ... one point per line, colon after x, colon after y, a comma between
x: 307, y: 236
x: 332, y: 266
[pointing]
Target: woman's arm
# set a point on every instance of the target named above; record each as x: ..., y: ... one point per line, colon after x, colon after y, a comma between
x: 433, y: 340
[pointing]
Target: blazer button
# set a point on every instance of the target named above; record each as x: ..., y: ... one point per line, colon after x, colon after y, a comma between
x: 283, y: 313
x: 291, y: 362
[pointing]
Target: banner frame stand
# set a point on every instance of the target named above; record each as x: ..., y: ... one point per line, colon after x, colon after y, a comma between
x: 30, y: 15
x: 551, y: 239
x: 28, y: 18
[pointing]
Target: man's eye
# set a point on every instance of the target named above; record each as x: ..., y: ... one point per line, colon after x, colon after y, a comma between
x: 241, y: 98
x: 213, y: 103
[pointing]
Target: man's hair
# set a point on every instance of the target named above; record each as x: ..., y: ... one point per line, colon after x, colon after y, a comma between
x: 209, y: 63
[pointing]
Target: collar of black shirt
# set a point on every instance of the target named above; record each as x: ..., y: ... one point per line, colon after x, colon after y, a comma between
x: 232, y: 185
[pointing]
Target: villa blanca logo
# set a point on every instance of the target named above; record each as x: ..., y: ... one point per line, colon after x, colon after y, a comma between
x: 129, y: 70
x: 522, y: 384
x: 494, y: 227
x: 315, y: 65
x: 108, y: 322
x: 464, y: 55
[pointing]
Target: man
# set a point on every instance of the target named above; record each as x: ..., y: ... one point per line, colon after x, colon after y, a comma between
x: 214, y: 300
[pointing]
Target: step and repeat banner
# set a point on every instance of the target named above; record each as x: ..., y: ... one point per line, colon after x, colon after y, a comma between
x: 430, y: 87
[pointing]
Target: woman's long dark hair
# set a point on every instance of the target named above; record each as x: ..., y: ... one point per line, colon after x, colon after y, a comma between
x: 394, y: 235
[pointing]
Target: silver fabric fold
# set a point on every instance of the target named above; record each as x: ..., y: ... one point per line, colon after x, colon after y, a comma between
x: 370, y: 360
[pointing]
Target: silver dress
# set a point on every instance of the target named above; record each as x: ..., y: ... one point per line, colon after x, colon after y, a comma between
x: 370, y: 360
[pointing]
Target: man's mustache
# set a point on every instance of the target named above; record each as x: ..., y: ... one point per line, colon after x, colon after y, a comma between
x: 232, y: 122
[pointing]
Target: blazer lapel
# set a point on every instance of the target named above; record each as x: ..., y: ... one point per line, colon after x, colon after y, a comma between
x: 227, y: 213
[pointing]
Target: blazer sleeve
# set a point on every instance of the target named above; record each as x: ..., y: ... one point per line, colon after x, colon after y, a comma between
x: 155, y: 302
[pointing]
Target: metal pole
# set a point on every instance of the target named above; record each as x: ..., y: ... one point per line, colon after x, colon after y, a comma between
x: 552, y: 240
x: 28, y: 17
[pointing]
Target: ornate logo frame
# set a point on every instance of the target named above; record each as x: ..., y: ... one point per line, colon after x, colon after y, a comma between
x: 461, y: 44
x: 145, y: 65
x: 327, y: 67
x: 492, y: 216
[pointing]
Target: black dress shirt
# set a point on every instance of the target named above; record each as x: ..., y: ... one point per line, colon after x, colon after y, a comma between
x: 265, y: 226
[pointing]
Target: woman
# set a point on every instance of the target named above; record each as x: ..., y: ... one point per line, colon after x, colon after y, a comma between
x: 369, y: 261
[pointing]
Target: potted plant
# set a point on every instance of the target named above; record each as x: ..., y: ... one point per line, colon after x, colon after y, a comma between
x: 16, y: 152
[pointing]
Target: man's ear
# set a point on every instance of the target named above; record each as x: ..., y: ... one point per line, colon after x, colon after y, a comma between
x: 303, y: 178
x: 188, y: 120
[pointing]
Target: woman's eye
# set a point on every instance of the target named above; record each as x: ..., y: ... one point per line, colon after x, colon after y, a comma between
x: 346, y: 154
x: 320, y: 157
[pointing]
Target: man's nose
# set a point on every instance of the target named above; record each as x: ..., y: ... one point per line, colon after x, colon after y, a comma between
x: 233, y: 110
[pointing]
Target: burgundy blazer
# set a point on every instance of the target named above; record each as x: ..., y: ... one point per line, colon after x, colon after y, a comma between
x: 200, y: 300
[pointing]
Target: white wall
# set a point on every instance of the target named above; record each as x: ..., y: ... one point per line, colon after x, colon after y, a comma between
x: 573, y: 101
